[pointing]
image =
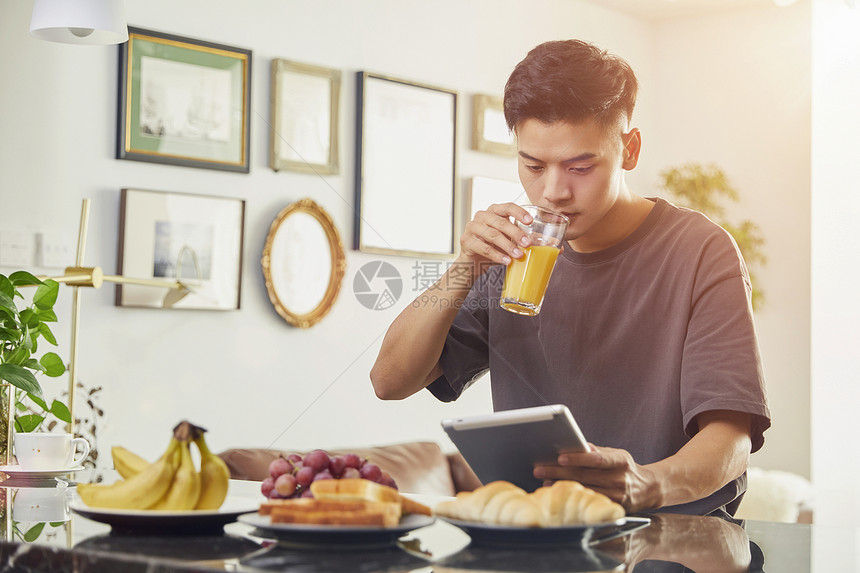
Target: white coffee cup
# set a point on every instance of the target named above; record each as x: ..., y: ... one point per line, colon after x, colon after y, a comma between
x: 49, y: 451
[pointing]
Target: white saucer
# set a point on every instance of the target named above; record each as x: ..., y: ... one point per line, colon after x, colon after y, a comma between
x: 15, y: 471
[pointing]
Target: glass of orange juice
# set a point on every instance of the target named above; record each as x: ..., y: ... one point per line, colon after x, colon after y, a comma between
x: 526, y: 278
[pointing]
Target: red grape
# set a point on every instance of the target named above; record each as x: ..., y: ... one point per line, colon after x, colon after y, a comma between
x: 267, y: 486
x: 317, y: 460
x: 295, y: 458
x: 305, y: 476
x: 325, y: 474
x: 351, y: 460
x: 351, y: 473
x: 286, y: 484
x: 279, y: 466
x: 371, y: 471
x: 386, y: 479
x: 336, y: 466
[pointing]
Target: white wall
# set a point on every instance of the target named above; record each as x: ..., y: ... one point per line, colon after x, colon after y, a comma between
x: 246, y: 375
x: 734, y: 89
x: 835, y: 275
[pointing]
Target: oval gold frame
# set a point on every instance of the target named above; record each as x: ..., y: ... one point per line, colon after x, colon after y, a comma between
x: 338, y: 264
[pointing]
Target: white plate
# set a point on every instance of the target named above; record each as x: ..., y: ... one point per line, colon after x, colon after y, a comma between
x: 22, y: 474
x: 582, y: 535
x: 122, y: 520
x: 310, y: 534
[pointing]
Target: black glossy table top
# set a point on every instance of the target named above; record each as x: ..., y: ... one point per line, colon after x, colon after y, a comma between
x: 45, y: 536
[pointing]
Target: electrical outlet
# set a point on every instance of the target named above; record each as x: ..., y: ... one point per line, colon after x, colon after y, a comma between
x: 53, y: 252
x: 16, y: 249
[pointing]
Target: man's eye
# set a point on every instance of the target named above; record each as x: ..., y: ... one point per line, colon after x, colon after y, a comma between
x: 581, y: 170
x: 535, y: 168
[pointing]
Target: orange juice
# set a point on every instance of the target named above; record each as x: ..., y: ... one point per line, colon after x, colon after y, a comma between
x: 526, y: 279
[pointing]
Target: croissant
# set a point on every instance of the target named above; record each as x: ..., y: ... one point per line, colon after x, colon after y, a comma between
x: 568, y: 502
x: 502, y: 503
x: 498, y: 502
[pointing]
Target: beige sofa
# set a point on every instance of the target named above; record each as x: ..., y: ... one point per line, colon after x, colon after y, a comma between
x: 416, y: 467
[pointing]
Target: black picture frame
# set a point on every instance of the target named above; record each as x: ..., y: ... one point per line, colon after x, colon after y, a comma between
x: 406, y: 190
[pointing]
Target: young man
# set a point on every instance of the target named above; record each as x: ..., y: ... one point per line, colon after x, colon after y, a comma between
x: 646, y: 330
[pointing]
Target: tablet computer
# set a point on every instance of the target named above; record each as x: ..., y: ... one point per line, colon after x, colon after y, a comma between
x: 507, y: 445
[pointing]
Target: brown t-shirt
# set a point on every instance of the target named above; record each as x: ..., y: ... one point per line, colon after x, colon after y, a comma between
x: 636, y: 340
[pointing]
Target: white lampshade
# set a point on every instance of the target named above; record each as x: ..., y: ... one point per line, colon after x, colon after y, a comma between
x: 79, y: 21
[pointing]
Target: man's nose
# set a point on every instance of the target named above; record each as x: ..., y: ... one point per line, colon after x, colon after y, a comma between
x: 557, y: 187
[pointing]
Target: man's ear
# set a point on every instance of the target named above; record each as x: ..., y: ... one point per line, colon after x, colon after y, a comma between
x: 632, y: 147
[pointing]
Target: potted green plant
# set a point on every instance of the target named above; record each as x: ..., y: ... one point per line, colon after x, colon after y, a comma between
x: 702, y: 188
x: 20, y: 331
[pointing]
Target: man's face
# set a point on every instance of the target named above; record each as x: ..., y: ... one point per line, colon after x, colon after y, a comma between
x: 576, y: 169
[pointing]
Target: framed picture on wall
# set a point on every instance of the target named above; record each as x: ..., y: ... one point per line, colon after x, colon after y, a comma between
x: 184, y: 102
x: 406, y: 186
x: 305, y: 106
x: 195, y: 240
x: 490, y: 132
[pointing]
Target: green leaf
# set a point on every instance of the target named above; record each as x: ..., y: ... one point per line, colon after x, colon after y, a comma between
x: 6, y: 334
x: 8, y: 316
x: 46, y: 315
x: 23, y: 278
x: 17, y: 356
x: 34, y: 532
x: 7, y: 303
x: 53, y: 364
x: 27, y: 340
x: 46, y: 294
x: 20, y: 377
x: 61, y: 411
x: 30, y: 318
x: 39, y: 402
x: 29, y: 422
x: 56, y: 523
x: 6, y: 287
x: 33, y: 364
x: 46, y: 333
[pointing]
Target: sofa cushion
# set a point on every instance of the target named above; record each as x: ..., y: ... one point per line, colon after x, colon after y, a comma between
x: 416, y: 467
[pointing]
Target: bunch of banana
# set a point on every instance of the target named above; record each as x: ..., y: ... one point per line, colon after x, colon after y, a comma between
x: 171, y: 483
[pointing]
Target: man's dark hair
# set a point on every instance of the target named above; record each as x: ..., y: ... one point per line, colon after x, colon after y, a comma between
x: 571, y: 81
